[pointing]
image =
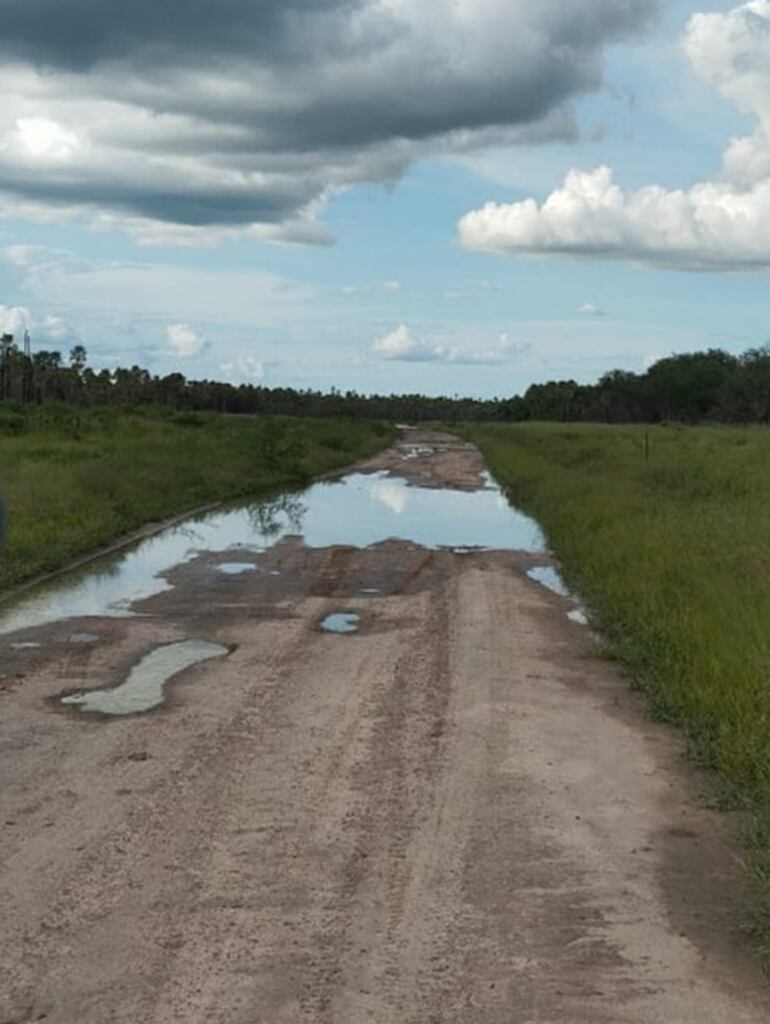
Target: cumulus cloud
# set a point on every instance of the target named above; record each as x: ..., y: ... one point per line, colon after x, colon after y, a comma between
x: 591, y: 309
x: 44, y: 330
x: 401, y: 345
x: 244, y: 369
x: 184, y: 341
x: 193, y: 121
x: 722, y: 224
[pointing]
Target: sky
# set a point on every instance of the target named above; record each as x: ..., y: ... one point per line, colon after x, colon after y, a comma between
x: 457, y: 197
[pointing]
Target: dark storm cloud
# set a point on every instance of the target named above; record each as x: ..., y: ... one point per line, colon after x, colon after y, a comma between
x: 247, y: 112
x: 169, y: 202
x: 77, y: 34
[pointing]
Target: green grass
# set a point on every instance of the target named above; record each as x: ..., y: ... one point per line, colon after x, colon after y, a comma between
x: 672, y: 555
x: 75, y: 480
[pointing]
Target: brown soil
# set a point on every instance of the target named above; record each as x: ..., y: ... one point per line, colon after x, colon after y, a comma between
x: 459, y: 814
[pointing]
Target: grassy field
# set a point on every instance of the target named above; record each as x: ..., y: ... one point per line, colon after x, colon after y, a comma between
x: 671, y: 552
x: 73, y: 480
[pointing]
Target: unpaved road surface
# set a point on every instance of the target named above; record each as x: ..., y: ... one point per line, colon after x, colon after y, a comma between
x: 457, y: 815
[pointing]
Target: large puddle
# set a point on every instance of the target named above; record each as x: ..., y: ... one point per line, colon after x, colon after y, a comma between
x: 358, y: 510
x: 143, y: 688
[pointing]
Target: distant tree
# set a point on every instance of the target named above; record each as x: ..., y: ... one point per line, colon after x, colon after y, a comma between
x: 688, y: 387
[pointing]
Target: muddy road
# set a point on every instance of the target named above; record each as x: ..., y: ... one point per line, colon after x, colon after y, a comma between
x: 339, y: 758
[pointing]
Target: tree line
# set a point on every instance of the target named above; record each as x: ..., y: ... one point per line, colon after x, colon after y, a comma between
x: 711, y: 385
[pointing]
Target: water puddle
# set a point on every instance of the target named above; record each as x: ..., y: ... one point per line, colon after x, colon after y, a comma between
x: 359, y: 510
x: 548, y: 577
x: 143, y: 690
x: 82, y: 638
x: 416, y: 451
x: 341, y: 622
x: 236, y: 568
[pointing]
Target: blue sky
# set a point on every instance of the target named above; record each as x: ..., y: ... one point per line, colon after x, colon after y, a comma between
x: 419, y: 290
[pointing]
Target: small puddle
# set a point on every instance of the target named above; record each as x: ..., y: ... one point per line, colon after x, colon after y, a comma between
x: 235, y: 568
x: 416, y: 452
x: 341, y: 622
x: 143, y: 689
x: 82, y: 638
x: 548, y: 577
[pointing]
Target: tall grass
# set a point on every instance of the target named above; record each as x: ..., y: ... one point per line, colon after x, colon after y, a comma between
x: 74, y: 480
x: 672, y: 555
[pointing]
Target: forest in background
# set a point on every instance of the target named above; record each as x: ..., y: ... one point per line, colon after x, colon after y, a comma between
x: 701, y: 386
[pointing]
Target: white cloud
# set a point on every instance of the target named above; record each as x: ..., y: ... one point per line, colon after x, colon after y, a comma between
x: 245, y: 369
x: 723, y: 224
x: 14, y: 320
x: 591, y: 309
x: 43, y: 330
x: 402, y: 346
x: 184, y: 341
x: 55, y: 330
x: 42, y: 139
x: 392, y: 287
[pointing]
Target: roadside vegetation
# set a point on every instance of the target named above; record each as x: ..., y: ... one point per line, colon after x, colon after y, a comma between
x: 75, y: 479
x: 665, y: 533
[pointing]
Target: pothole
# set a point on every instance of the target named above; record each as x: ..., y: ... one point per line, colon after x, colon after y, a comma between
x: 144, y: 687
x: 341, y: 622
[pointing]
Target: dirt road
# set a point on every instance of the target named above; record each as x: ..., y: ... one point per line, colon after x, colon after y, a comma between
x: 457, y: 814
